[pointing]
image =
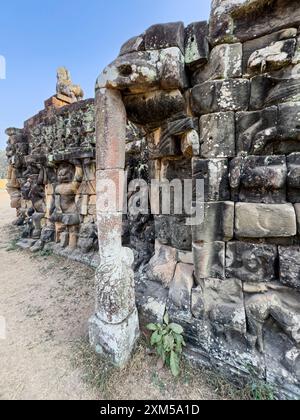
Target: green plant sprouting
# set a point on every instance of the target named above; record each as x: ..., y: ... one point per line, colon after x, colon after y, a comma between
x: 167, y: 339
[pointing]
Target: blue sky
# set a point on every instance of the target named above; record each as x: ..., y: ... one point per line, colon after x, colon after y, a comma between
x: 84, y: 35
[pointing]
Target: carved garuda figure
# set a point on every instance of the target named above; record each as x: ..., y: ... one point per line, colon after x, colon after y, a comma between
x: 66, y: 87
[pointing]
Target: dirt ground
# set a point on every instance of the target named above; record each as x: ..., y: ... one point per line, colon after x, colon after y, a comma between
x: 46, y: 302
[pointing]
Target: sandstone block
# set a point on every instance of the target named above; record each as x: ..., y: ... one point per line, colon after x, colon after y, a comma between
x: 225, y: 62
x: 272, y: 57
x: 297, y: 209
x: 249, y: 47
x: 220, y: 95
x: 224, y: 305
x: 154, y: 107
x: 139, y: 72
x: 162, y: 266
x: 196, y: 44
x: 255, y: 129
x: 214, y: 172
x: 251, y: 262
x: 209, y: 260
x: 181, y: 288
x: 289, y: 258
x: 217, y: 135
x: 218, y: 223
x: 110, y: 129
x: 166, y: 35
x: 293, y: 179
x: 265, y: 220
x: 259, y: 179
x: 173, y: 231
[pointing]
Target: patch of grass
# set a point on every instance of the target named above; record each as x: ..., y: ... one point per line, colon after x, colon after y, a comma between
x: 156, y: 380
x: 45, y: 253
x: 96, y: 370
x: 13, y: 246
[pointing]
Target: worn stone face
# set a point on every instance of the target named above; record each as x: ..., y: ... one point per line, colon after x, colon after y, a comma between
x: 219, y: 95
x: 290, y: 266
x: 217, y: 135
x: 251, y: 262
x: 265, y: 220
x: 225, y: 62
x: 259, y: 179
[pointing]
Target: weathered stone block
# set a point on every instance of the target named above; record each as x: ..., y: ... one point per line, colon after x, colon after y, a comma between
x: 259, y: 179
x: 265, y: 220
x: 220, y: 95
x: 220, y: 25
x: 293, y: 179
x: 115, y: 340
x: 190, y: 144
x: 198, y: 309
x: 151, y: 301
x: 134, y: 44
x: 181, y: 289
x: 297, y: 209
x: 225, y: 62
x: 272, y: 57
x: 282, y: 14
x: 161, y: 267
x: 217, y: 224
x: 110, y: 129
x: 289, y: 260
x: 224, y: 306
x: 209, y: 260
x: 214, y: 172
x: 173, y: 231
x: 110, y: 190
x: 196, y: 44
x: 166, y: 35
x: 254, y: 129
x: 251, y: 262
x: 278, y: 87
x: 139, y: 72
x: 249, y: 47
x: 217, y: 135
x: 154, y: 107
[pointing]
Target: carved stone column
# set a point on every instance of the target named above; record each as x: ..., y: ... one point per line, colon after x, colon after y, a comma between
x: 114, y: 328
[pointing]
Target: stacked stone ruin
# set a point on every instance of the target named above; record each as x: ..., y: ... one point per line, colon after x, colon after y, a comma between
x: 218, y: 102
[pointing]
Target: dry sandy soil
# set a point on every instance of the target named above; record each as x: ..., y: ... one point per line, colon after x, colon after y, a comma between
x: 46, y: 302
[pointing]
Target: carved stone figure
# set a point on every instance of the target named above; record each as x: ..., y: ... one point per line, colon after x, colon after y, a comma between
x: 66, y: 87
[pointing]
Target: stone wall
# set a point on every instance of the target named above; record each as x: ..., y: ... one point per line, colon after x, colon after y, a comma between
x: 218, y: 102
